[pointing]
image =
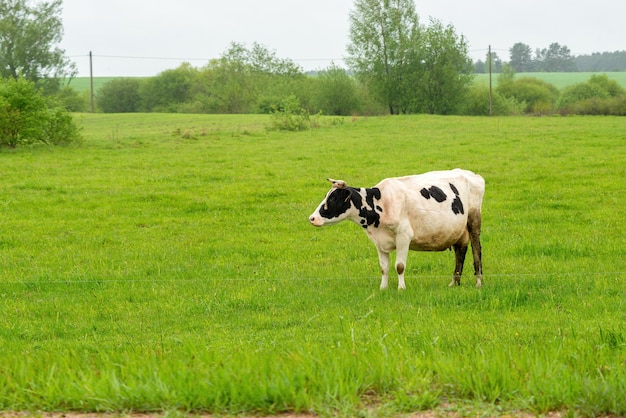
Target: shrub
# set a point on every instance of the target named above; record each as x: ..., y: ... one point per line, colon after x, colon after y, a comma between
x: 476, y: 103
x: 169, y: 89
x: 27, y: 117
x: 58, y: 128
x: 120, y: 95
x: 580, y: 92
x: 72, y: 100
x: 538, y: 95
x: 290, y: 116
x: 612, y: 87
x: 336, y: 92
x: 615, y: 106
x: 597, y: 96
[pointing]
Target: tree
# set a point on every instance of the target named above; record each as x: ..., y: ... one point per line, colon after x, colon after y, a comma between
x: 336, y: 92
x: 168, y: 90
x: 408, y: 67
x: 496, y: 62
x: 245, y: 79
x: 555, y: 58
x: 383, y: 49
x: 521, y: 58
x: 119, y: 95
x: 446, y: 71
x: 29, y: 34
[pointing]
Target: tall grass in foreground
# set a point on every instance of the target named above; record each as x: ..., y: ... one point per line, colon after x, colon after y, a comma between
x: 167, y: 265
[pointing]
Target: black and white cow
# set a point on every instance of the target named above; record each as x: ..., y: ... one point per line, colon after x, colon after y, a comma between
x: 427, y: 212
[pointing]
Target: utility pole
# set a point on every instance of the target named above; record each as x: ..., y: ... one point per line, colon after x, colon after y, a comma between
x: 490, y: 90
x: 91, y: 80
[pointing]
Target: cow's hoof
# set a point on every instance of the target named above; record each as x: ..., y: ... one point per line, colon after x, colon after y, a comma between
x: 479, y: 283
x: 454, y: 283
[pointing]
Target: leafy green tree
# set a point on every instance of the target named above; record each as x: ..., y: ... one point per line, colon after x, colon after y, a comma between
x: 336, y: 92
x: 27, y: 117
x: 555, y: 58
x: 480, y: 67
x: 496, y: 62
x: 446, y: 71
x: 29, y: 35
x: 601, y: 61
x: 384, y: 46
x: 408, y: 67
x: 120, y: 95
x: 168, y: 90
x: 521, y: 58
x: 245, y: 80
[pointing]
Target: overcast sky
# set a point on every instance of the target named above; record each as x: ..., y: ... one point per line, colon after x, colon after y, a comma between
x: 145, y: 37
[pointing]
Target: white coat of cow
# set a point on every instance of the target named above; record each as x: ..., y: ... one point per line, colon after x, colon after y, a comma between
x: 433, y: 211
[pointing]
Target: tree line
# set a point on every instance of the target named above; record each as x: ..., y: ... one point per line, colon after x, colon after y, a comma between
x: 396, y: 65
x: 554, y: 58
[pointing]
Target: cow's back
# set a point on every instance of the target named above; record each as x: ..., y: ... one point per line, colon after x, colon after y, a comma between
x: 435, y: 204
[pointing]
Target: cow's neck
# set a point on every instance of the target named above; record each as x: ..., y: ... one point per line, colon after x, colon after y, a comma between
x: 367, y: 208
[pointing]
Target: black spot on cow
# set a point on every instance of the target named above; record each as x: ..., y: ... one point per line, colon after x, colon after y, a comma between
x: 434, y: 192
x: 457, y: 205
x: 369, y: 213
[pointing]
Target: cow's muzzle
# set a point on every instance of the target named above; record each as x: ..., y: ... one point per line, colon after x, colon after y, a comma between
x: 316, y: 220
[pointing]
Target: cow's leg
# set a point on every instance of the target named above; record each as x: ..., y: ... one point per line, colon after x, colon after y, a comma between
x: 402, y: 253
x: 460, y: 249
x: 474, y: 231
x: 383, y: 259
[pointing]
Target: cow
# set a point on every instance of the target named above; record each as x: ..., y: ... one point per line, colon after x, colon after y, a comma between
x: 433, y: 211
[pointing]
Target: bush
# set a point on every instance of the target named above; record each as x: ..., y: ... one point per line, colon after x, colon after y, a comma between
x: 336, y: 92
x: 612, y: 87
x: 538, y: 95
x: 120, y: 95
x: 27, y: 117
x: 72, y: 100
x: 615, y: 106
x: 168, y: 90
x: 476, y: 103
x: 580, y: 92
x: 597, y: 96
x: 290, y: 116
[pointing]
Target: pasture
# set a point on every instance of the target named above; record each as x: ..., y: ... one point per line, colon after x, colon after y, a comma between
x: 167, y: 265
x: 559, y: 80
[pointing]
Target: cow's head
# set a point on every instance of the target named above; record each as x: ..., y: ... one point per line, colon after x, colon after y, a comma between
x: 335, y: 207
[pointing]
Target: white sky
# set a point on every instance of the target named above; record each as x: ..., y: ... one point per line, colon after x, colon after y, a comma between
x: 145, y: 37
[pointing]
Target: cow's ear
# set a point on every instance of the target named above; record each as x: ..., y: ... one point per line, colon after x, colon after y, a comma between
x: 340, y: 184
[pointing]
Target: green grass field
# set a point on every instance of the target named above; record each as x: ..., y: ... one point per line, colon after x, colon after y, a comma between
x: 81, y: 84
x: 167, y: 265
x: 560, y: 80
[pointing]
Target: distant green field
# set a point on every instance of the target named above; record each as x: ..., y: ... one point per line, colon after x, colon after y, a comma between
x: 167, y: 266
x: 84, y: 83
x: 560, y: 80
